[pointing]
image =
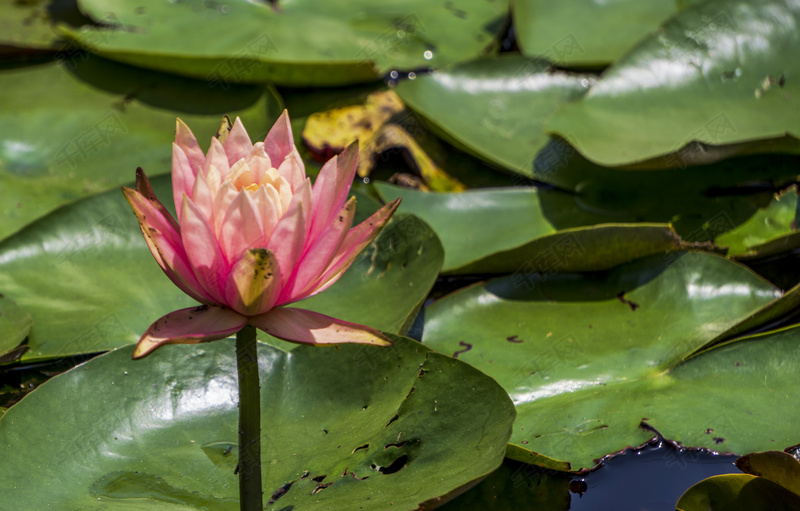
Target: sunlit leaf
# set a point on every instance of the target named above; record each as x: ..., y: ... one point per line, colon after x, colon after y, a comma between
x: 361, y: 426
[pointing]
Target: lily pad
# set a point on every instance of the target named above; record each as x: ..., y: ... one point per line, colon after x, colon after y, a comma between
x: 474, y: 245
x: 15, y: 323
x: 777, y: 466
x: 517, y: 486
x: 737, y: 492
x: 80, y: 126
x: 90, y: 283
x: 586, y: 32
x: 25, y: 27
x: 714, y: 74
x: 771, y: 230
x: 161, y: 432
x: 494, y: 108
x: 293, y: 42
x: 587, y: 358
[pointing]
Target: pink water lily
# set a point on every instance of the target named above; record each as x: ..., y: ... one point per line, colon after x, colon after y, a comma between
x: 253, y: 235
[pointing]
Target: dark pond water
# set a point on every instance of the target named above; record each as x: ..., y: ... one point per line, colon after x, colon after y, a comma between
x: 652, y: 479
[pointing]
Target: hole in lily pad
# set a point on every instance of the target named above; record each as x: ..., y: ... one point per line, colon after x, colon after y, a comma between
x: 365, y: 446
x: 393, y: 467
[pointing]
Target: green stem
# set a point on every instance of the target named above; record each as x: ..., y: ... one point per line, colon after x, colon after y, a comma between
x: 249, y: 467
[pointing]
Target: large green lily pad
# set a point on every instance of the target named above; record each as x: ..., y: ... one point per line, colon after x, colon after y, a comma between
x: 716, y: 73
x: 467, y: 224
x: 587, y: 358
x: 586, y: 32
x: 294, y: 42
x: 361, y: 426
x: 494, y: 108
x: 81, y: 126
x: 90, y: 283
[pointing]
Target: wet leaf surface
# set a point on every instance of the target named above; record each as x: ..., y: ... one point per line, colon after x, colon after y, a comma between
x: 588, y: 358
x: 508, y: 230
x: 410, y: 404
x: 296, y: 43
x: 716, y: 73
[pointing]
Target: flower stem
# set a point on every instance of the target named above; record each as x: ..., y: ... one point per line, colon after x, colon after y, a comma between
x: 249, y: 467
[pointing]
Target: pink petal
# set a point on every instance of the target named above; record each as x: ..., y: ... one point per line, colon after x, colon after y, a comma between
x: 318, y: 256
x: 304, y: 326
x: 143, y: 187
x: 216, y: 156
x: 204, y: 253
x: 288, y: 239
x: 331, y: 188
x: 254, y: 283
x: 184, y: 138
x: 356, y: 240
x: 183, y: 176
x: 292, y: 169
x: 202, y: 196
x: 279, y: 142
x: 265, y: 207
x: 238, y: 145
x: 164, y: 242
x: 190, y: 326
x: 241, y: 227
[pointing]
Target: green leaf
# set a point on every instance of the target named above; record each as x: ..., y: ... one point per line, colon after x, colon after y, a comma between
x: 79, y: 127
x: 26, y: 25
x: 737, y: 492
x: 716, y: 73
x: 15, y: 323
x: 516, y: 486
x: 494, y: 108
x: 770, y: 231
x: 587, y: 358
x: 299, y: 42
x: 467, y: 224
x: 586, y: 32
x: 361, y: 426
x: 777, y: 466
x: 61, y: 268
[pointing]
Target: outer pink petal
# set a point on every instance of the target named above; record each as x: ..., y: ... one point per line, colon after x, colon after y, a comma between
x: 204, y: 253
x: 288, y: 239
x: 190, y: 326
x: 184, y: 138
x: 304, y: 326
x: 183, y: 176
x: 143, y: 187
x: 318, y: 256
x: 279, y: 142
x: 238, y: 144
x: 241, y: 227
x: 331, y: 188
x: 356, y: 240
x: 164, y: 242
x: 254, y: 282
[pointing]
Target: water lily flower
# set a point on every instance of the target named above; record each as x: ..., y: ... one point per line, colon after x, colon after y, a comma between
x: 253, y: 235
